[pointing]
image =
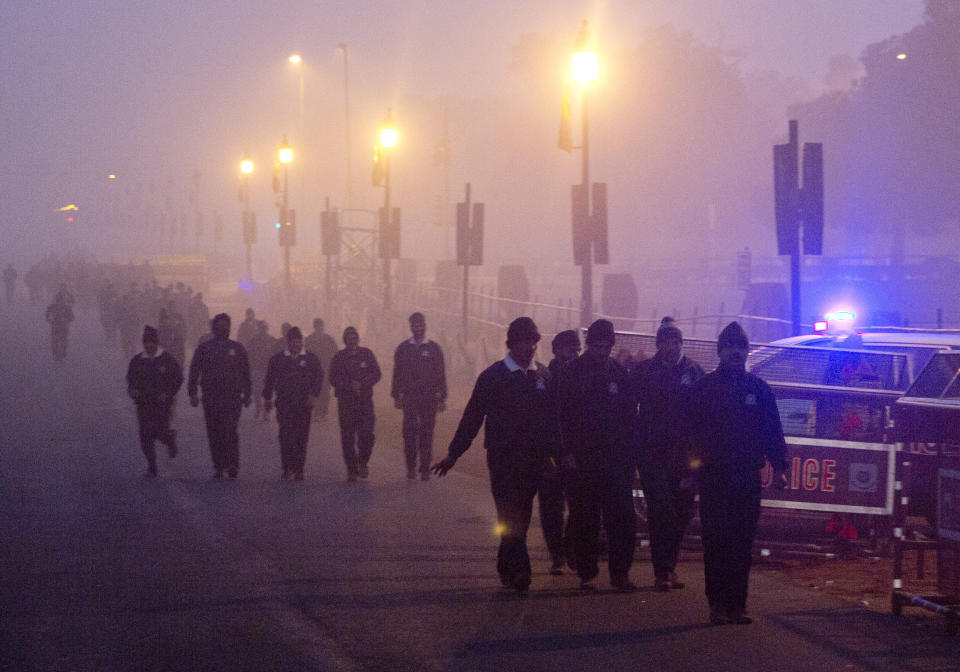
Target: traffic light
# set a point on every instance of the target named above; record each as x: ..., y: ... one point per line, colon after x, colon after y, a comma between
x: 287, y: 232
x: 249, y: 220
x: 389, y: 233
x: 811, y: 198
x: 598, y: 224
x: 330, y: 232
x: 786, y: 197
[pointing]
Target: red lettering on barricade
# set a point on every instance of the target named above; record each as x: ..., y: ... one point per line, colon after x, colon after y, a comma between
x: 826, y: 483
x: 795, y: 474
x: 810, y: 469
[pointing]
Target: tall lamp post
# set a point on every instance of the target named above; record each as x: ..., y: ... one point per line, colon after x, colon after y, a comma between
x: 583, y: 70
x: 388, y: 140
x: 346, y: 119
x: 297, y: 61
x: 285, y: 156
x: 246, y: 169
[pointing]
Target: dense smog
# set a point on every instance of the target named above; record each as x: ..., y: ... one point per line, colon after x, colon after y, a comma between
x: 433, y: 336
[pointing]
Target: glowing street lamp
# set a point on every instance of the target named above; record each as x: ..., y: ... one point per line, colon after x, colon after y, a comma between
x: 295, y: 59
x: 285, y: 156
x: 584, y: 66
x: 285, y: 153
x: 388, y: 134
x: 246, y: 166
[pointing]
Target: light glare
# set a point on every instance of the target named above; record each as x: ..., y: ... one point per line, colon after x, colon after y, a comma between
x: 246, y: 166
x: 285, y: 155
x: 901, y: 57
x: 295, y: 59
x: 388, y: 137
x: 584, y: 66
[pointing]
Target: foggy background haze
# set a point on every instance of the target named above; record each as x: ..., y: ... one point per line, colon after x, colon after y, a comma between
x: 691, y: 96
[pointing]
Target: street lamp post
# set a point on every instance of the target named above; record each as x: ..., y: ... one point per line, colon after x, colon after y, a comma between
x: 346, y: 118
x: 285, y: 156
x: 246, y: 169
x: 584, y: 69
x: 388, y: 140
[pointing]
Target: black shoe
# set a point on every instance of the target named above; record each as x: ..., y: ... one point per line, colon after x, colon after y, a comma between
x: 589, y: 585
x: 718, y: 615
x: 675, y: 581
x: 623, y: 585
x: 661, y: 585
x: 521, y: 584
x: 351, y: 477
x: 150, y: 473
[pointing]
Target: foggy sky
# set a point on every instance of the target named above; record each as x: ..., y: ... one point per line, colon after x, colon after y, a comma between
x: 156, y: 91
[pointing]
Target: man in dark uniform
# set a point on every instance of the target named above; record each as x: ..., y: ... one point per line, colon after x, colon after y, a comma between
x: 739, y: 430
x: 297, y: 376
x: 596, y: 418
x: 353, y: 373
x: 59, y: 315
x: 550, y: 495
x: 515, y: 399
x: 153, y: 380
x: 10, y: 281
x: 220, y: 367
x: 663, y: 387
x: 420, y: 389
x: 324, y: 347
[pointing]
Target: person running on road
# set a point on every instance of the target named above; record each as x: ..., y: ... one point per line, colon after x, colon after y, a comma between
x: 738, y: 431
x: 297, y: 376
x: 420, y: 389
x: 514, y: 398
x: 353, y: 373
x: 153, y: 379
x: 220, y: 367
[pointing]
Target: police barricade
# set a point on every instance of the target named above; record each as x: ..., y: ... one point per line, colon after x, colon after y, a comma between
x: 928, y: 416
x: 835, y: 409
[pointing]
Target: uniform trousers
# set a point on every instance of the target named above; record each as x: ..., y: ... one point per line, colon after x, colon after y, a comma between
x: 669, y: 511
x: 153, y: 420
x: 728, y: 516
x: 294, y: 422
x: 356, y: 430
x: 419, y: 418
x: 513, y: 488
x: 221, y: 417
x: 607, y: 491
x: 550, y: 498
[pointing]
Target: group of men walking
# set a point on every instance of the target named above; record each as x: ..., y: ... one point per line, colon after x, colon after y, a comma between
x: 583, y: 426
x: 293, y: 381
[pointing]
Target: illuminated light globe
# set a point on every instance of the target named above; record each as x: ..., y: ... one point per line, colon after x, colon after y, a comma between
x: 584, y: 66
x: 246, y: 166
x: 295, y: 59
x: 285, y: 153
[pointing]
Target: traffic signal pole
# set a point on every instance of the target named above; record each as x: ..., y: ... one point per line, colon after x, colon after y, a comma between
x: 586, y: 268
x: 466, y: 279
x: 386, y: 209
x: 795, y: 318
x: 283, y: 224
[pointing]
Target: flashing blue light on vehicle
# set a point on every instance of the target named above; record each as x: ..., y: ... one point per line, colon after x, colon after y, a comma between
x: 840, y: 316
x: 820, y: 326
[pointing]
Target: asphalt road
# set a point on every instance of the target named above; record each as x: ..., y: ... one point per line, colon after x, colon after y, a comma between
x: 103, y: 570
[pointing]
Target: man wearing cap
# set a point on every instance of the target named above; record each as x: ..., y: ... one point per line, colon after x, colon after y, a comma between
x: 353, y: 373
x: 297, y: 376
x: 153, y: 380
x: 420, y: 389
x: 663, y: 388
x: 738, y: 432
x: 596, y: 418
x: 515, y: 400
x: 550, y: 496
x: 220, y: 367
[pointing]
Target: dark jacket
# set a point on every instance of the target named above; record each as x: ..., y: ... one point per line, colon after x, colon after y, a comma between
x: 221, y: 368
x: 418, y: 371
x: 157, y: 379
x: 293, y: 378
x: 597, y: 412
x: 738, y: 428
x: 358, y: 365
x: 520, y: 414
x: 664, y: 396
